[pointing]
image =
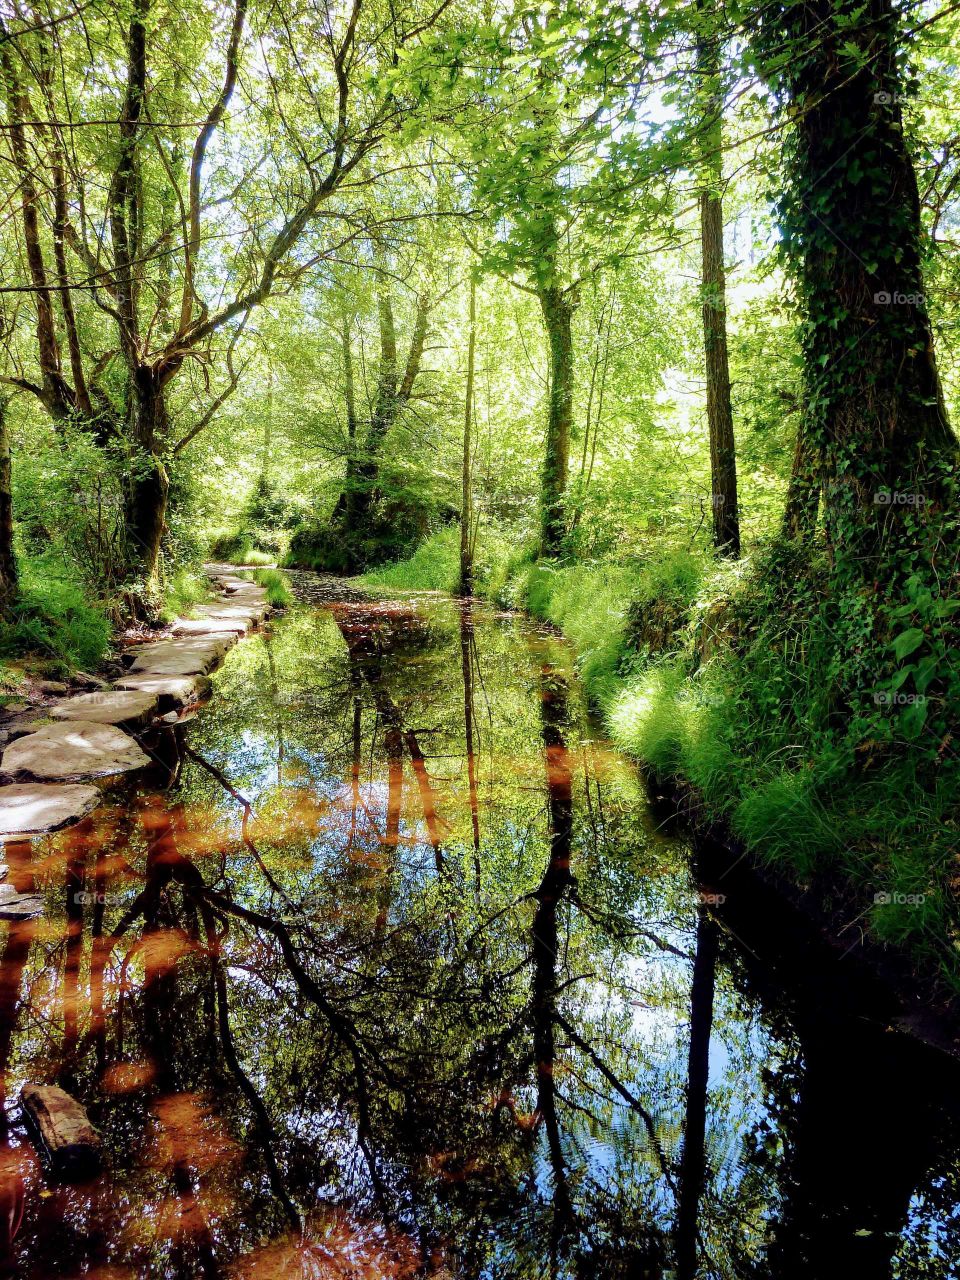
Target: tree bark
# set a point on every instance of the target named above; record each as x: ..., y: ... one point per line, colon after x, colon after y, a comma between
x: 723, y: 457
x: 558, y: 306
x: 147, y: 482
x: 466, y: 502
x: 803, y: 491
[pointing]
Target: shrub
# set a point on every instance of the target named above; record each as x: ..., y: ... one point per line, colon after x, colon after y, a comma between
x: 53, y: 618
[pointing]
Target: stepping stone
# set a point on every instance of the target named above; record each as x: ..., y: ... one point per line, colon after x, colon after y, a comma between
x: 75, y: 749
x: 167, y: 689
x: 19, y: 906
x: 119, y: 706
x: 186, y: 656
x: 30, y: 808
x: 66, y: 1137
x: 234, y: 612
x: 211, y: 626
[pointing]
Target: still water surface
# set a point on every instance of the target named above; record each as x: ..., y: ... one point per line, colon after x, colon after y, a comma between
x: 389, y: 970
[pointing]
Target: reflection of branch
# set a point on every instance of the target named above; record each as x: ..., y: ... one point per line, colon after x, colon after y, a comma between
x: 267, y: 1131
x: 339, y: 1025
x: 247, y: 811
x: 623, y: 1091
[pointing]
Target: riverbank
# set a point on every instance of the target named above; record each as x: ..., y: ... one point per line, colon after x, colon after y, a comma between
x: 732, y: 687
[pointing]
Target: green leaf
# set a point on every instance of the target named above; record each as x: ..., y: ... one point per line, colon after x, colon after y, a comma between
x: 907, y: 642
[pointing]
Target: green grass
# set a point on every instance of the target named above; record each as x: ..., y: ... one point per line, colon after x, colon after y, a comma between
x: 185, y: 589
x: 279, y: 594
x: 54, y: 620
x: 435, y: 565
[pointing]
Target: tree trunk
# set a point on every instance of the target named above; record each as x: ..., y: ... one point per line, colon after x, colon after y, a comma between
x: 466, y: 504
x: 9, y: 577
x: 392, y: 394
x: 147, y: 482
x: 851, y: 221
x: 559, y: 306
x: 723, y: 458
x: 803, y: 491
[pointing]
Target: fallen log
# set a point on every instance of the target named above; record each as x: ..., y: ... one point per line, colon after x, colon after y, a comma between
x: 63, y: 1130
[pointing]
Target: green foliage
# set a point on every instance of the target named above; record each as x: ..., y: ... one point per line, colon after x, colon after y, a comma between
x: 184, y: 589
x: 435, y: 565
x: 279, y: 593
x: 55, y: 620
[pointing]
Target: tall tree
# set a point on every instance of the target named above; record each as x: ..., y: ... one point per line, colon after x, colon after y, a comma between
x: 466, y: 479
x: 875, y: 423
x: 723, y: 458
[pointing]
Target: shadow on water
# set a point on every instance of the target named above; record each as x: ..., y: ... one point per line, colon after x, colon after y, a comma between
x: 388, y: 970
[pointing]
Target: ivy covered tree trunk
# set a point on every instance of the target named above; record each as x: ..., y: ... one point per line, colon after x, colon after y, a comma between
x: 9, y: 579
x: 723, y: 457
x: 559, y: 306
x: 875, y: 418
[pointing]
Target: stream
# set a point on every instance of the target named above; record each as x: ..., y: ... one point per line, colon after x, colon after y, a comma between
x: 390, y: 968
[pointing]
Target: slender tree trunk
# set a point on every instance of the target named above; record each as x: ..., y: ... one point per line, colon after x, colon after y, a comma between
x: 466, y: 503
x: 9, y: 576
x: 558, y: 306
x: 723, y: 457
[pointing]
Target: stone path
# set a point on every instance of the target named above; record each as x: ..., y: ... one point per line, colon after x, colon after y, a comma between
x: 85, y: 738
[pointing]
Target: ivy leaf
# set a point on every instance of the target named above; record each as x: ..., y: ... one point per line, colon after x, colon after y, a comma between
x: 907, y: 642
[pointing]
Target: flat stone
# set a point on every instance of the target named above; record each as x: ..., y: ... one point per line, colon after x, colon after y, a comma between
x: 118, y: 706
x: 231, y: 612
x: 75, y: 749
x: 185, y: 656
x: 167, y: 689
x: 14, y: 706
x: 19, y: 906
x: 211, y: 627
x: 30, y: 808
x: 66, y: 1137
x: 52, y: 686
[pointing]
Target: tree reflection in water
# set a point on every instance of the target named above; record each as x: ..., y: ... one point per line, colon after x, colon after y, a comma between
x: 389, y: 973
